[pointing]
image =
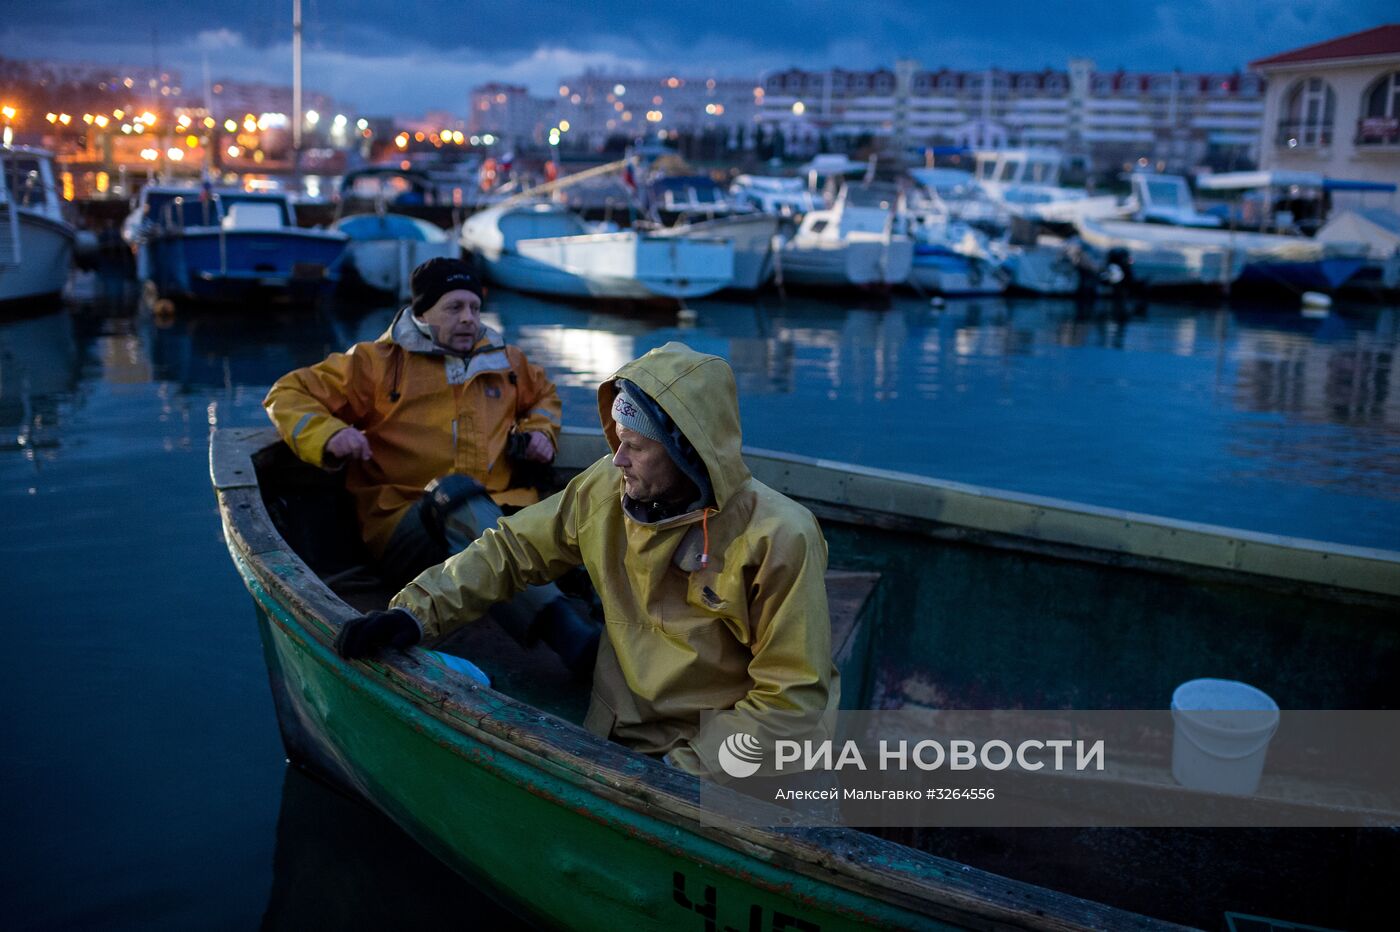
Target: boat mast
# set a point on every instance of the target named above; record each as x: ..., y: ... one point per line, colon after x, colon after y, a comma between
x: 296, y: 84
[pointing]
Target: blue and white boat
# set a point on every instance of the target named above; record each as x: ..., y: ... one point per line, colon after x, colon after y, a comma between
x: 221, y: 246
x: 384, y: 249
x: 1287, y: 259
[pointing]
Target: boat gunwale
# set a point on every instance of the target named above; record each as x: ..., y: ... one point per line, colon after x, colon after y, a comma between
x: 1023, y: 521
x: 942, y: 890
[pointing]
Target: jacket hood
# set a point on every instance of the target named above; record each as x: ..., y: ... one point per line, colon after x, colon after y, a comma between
x: 405, y: 333
x: 698, y: 392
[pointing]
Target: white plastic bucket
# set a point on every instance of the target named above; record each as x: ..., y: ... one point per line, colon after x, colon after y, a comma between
x: 1221, y: 736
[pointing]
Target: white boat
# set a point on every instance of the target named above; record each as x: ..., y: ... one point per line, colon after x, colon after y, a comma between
x: 852, y: 244
x: 952, y: 258
x: 1026, y: 183
x: 1166, y: 199
x: 957, y: 195
x: 1043, y: 267
x: 544, y: 248
x: 385, y: 248
x: 753, y: 236
x: 1165, y: 256
x: 36, y: 242
x: 784, y: 197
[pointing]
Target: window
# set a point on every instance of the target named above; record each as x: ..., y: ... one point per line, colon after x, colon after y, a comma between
x: 1312, y: 105
x: 1383, y: 100
x: 1380, y: 113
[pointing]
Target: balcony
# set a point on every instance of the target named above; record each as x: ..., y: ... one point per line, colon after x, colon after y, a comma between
x: 1301, y: 134
x: 1378, y: 131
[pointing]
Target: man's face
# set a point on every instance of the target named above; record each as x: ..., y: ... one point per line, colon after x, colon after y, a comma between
x: 455, y: 320
x: 648, y: 472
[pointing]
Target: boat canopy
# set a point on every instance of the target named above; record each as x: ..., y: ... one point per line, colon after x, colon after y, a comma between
x: 1239, y: 181
x: 1342, y: 184
x: 388, y: 226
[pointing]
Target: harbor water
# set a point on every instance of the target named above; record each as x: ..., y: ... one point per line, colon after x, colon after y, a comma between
x: 144, y: 780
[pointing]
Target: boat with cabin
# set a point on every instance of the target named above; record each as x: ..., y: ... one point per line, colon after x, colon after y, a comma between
x: 1166, y: 199
x: 856, y: 243
x: 36, y: 240
x: 1279, y: 211
x: 229, y: 245
x: 943, y: 596
x: 1026, y: 183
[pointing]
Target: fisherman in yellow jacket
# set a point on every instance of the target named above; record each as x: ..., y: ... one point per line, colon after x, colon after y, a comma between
x: 434, y: 424
x: 712, y: 584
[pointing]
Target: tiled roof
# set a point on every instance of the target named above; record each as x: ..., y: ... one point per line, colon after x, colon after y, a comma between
x: 1382, y: 40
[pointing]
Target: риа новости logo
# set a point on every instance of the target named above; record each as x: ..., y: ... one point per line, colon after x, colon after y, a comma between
x: 740, y: 755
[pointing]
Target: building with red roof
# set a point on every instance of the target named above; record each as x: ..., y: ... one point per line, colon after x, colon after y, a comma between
x: 1334, y: 107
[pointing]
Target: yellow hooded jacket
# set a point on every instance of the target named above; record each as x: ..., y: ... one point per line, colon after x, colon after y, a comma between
x: 426, y: 413
x: 748, y: 632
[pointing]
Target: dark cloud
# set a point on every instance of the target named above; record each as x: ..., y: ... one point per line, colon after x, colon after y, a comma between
x: 413, y: 53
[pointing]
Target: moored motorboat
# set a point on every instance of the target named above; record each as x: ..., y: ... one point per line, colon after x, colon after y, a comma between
x: 385, y: 248
x: 542, y: 247
x: 854, y: 244
x: 36, y: 241
x: 754, y: 237
x: 226, y: 246
x: 1168, y: 257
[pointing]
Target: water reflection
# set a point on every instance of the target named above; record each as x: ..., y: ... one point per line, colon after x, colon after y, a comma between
x: 1134, y: 408
x: 341, y: 865
x: 38, y: 369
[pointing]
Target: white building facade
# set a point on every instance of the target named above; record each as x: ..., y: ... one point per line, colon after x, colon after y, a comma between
x: 1334, y: 107
x: 1105, y: 121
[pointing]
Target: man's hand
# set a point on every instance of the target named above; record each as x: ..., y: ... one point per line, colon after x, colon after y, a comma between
x: 348, y: 444
x: 538, y: 448
x: 369, y: 634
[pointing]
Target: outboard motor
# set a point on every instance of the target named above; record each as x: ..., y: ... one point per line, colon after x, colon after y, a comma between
x: 1117, y: 271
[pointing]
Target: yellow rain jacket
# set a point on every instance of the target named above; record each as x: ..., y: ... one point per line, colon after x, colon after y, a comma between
x: 748, y: 632
x: 426, y: 413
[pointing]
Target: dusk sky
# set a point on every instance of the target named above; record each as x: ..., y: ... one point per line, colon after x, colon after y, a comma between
x: 410, y: 56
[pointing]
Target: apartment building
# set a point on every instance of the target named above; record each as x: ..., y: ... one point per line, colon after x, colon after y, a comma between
x: 1102, y: 121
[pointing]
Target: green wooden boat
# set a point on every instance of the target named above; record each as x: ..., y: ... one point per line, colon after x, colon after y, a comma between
x: 943, y: 595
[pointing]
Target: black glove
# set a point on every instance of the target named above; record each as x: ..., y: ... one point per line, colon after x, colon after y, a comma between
x: 369, y: 634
